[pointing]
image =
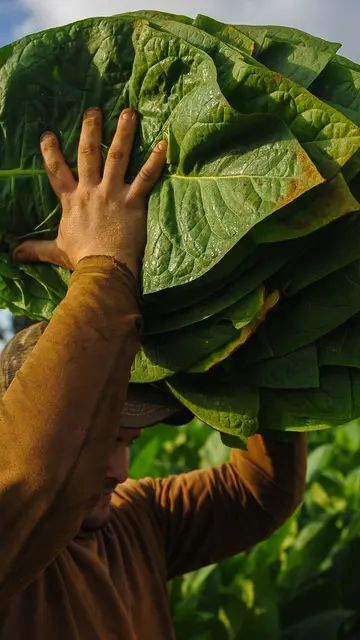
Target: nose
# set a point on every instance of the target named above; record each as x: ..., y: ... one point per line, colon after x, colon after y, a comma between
x: 118, y: 464
x: 117, y: 478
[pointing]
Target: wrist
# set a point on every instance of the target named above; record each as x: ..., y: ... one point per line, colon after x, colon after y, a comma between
x: 134, y: 270
x: 131, y: 264
x: 110, y: 264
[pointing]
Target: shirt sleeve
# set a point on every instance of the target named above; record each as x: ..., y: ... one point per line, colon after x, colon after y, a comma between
x: 205, y: 516
x: 60, y: 417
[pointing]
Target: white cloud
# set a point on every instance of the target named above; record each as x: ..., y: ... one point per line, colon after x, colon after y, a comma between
x: 330, y: 19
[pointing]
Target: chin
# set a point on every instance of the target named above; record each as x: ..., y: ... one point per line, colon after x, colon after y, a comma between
x: 99, y: 516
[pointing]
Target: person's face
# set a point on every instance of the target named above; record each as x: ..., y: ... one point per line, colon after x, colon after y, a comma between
x: 117, y: 471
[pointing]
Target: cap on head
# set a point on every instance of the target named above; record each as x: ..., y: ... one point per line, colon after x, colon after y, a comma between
x: 16, y: 351
x: 145, y: 405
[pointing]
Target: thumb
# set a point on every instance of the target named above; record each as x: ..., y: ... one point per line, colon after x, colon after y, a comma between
x: 40, y: 251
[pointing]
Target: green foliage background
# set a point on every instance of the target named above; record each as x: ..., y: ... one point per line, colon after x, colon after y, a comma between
x: 303, y: 583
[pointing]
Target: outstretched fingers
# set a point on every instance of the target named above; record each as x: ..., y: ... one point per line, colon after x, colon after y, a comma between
x: 89, y: 152
x: 59, y: 174
x: 119, y: 153
x: 150, y: 173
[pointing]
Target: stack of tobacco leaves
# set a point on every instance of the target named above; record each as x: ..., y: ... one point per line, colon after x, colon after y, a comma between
x: 251, y: 275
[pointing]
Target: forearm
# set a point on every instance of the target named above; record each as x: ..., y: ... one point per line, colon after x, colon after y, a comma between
x: 60, y: 416
x: 263, y: 487
x: 211, y: 514
x: 273, y: 473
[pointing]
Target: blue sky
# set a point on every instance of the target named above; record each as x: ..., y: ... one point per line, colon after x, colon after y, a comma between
x: 11, y: 15
x: 332, y: 19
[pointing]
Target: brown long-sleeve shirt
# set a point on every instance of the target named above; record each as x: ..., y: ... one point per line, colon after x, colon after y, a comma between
x: 58, y: 425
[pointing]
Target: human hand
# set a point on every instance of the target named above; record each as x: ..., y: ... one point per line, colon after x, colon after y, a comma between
x: 101, y: 214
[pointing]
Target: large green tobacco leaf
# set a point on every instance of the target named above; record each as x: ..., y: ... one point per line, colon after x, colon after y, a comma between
x: 219, y: 401
x: 176, y: 299
x: 246, y: 262
x: 296, y: 370
x: 178, y: 351
x: 311, y: 409
x: 149, y: 14
x: 339, y: 84
x: 47, y: 83
x: 329, y: 138
x: 147, y: 368
x: 199, y: 213
x: 304, y: 318
x: 294, y: 53
x: 243, y: 282
x: 223, y: 352
x: 310, y: 212
x: 221, y: 163
x: 32, y: 291
x: 227, y: 170
x: 355, y: 185
x: 352, y: 170
x: 227, y: 33
x: 337, y: 246
x: 342, y: 346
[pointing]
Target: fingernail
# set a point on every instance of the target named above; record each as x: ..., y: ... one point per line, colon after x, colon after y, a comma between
x: 129, y: 114
x: 46, y: 134
x: 91, y: 111
x: 17, y: 254
x: 162, y: 145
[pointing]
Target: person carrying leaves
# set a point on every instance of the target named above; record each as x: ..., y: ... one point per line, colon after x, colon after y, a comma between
x: 86, y: 553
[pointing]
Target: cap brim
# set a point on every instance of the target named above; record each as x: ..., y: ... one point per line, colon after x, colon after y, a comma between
x: 147, y: 405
